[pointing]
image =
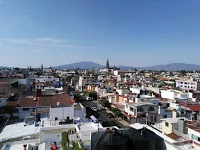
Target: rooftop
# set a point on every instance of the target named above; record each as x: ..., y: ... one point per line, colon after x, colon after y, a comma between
x: 88, y: 126
x: 141, y: 104
x: 31, y: 101
x: 194, y: 106
x: 18, y: 130
x: 174, y: 120
x: 174, y: 136
x: 194, y: 125
x: 20, y: 145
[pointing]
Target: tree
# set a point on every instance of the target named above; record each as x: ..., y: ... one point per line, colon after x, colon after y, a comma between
x: 117, y: 112
x: 183, y: 72
x: 105, y: 103
x: 64, y: 140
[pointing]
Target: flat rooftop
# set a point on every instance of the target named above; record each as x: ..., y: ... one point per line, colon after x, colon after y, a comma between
x: 18, y: 130
x: 88, y: 126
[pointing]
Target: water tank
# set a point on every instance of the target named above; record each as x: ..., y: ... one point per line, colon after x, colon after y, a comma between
x: 111, y: 140
x: 144, y: 139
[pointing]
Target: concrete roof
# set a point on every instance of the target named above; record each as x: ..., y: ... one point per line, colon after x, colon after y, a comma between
x: 173, y: 120
x: 18, y: 130
x: 87, y: 126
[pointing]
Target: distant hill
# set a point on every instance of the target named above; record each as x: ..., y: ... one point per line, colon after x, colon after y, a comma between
x: 172, y: 67
x: 125, y: 67
x: 4, y: 67
x: 92, y: 65
x: 81, y: 65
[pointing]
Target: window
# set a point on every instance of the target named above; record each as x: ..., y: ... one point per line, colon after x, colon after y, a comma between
x: 194, y: 137
x: 150, y: 109
x: 164, y: 116
x: 131, y: 109
x: 140, y: 109
x: 25, y: 109
x: 166, y: 124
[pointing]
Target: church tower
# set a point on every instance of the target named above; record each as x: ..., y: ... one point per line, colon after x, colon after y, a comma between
x: 107, y: 64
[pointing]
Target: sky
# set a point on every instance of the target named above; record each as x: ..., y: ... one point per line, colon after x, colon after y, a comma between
x: 128, y: 32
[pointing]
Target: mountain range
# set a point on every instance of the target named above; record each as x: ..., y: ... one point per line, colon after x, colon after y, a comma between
x: 167, y: 67
x: 92, y: 65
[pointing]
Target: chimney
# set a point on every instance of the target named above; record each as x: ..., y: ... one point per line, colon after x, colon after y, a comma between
x: 38, y: 93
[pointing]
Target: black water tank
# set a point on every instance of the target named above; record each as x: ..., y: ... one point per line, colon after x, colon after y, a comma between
x: 111, y: 140
x: 144, y: 139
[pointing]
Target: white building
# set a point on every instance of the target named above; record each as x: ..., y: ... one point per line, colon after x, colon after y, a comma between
x: 188, y: 85
x: 175, y: 94
x: 86, y: 80
x: 142, y: 112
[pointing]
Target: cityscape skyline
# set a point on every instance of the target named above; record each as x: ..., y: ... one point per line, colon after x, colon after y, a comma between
x: 131, y: 33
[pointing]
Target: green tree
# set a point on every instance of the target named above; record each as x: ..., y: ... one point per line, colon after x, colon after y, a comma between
x: 105, y: 103
x: 183, y: 72
x: 117, y: 112
x: 64, y: 141
x: 75, y: 146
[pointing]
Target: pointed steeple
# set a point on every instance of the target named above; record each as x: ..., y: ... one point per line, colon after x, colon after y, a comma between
x: 107, y: 64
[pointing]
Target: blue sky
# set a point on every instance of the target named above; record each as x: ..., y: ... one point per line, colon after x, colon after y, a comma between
x: 128, y: 32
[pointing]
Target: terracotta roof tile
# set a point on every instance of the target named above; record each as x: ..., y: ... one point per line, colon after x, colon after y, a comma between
x: 26, y: 101
x: 64, y: 100
x: 173, y: 136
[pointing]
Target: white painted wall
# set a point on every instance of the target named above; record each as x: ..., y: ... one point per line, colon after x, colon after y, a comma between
x: 80, y: 113
x: 61, y: 113
x: 167, y: 94
x: 122, y: 92
x: 51, y: 136
x: 24, y: 113
x: 154, y: 89
x: 54, y: 134
x: 135, y: 90
x: 175, y: 106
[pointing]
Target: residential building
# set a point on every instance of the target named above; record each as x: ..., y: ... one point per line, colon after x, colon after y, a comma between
x: 188, y: 85
x: 86, y: 80
x: 176, y: 95
x: 174, y: 125
x: 194, y: 132
x: 28, y: 104
x: 141, y: 112
x: 190, y: 110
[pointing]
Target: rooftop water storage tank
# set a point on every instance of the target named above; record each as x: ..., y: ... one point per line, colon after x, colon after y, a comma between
x: 111, y: 139
x: 144, y: 139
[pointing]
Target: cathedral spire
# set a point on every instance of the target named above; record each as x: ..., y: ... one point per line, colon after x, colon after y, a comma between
x: 107, y: 64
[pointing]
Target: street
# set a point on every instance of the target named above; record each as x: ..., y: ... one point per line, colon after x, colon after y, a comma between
x: 106, y: 122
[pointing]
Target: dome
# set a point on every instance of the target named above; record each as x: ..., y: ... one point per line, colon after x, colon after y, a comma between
x: 111, y: 139
x: 144, y: 139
